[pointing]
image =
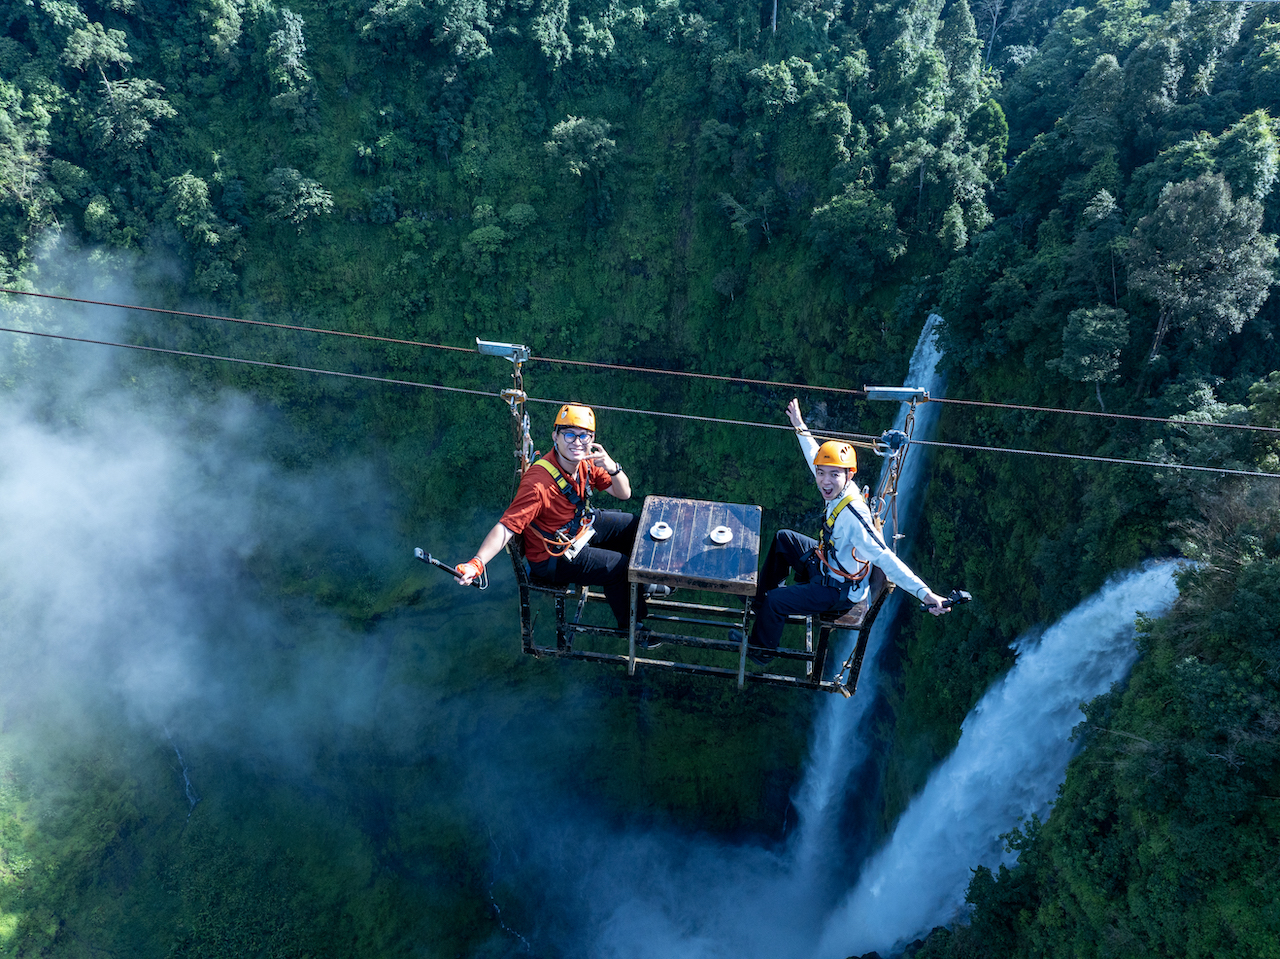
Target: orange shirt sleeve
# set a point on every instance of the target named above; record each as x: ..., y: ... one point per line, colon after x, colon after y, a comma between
x: 531, y: 498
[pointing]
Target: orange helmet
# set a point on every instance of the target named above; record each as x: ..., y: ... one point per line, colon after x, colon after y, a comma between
x: 836, y: 453
x: 583, y: 417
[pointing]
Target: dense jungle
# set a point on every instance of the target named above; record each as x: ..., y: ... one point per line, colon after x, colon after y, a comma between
x: 239, y: 720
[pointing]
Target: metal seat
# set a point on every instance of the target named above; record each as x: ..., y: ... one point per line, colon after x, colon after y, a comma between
x: 860, y: 618
x: 528, y: 584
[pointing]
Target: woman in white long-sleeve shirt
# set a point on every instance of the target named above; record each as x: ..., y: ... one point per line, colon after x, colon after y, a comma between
x: 831, y: 571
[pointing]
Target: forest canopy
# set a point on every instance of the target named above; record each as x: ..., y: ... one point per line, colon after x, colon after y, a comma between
x: 779, y: 191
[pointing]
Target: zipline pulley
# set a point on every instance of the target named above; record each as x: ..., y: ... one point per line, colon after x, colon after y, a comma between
x: 516, y: 397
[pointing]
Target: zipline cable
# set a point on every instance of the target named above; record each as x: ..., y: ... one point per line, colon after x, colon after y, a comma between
x: 859, y: 439
x: 242, y: 320
x: 236, y: 359
x: 617, y: 367
x: 865, y: 440
x: 1097, y: 459
x: 1107, y: 416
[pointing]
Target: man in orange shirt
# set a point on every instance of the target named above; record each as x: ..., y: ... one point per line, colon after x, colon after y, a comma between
x: 565, y: 540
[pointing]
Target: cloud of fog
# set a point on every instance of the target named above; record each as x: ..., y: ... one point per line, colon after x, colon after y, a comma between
x: 663, y: 895
x: 126, y: 532
x: 158, y: 570
x: 136, y: 520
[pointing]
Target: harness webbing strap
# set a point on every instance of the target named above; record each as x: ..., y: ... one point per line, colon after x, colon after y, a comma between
x: 833, y: 566
x: 583, y: 515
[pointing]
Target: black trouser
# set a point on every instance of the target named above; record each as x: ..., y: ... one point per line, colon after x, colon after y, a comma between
x: 810, y: 594
x: 603, y: 562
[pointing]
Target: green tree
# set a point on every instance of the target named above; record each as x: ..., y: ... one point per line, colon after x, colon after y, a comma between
x: 291, y: 81
x: 22, y: 149
x: 962, y: 50
x: 1261, y: 66
x: 293, y: 198
x: 753, y: 219
x: 1202, y: 257
x: 550, y: 29
x: 993, y: 16
x: 1185, y: 160
x: 187, y: 205
x: 127, y: 107
x: 126, y: 112
x: 1094, y: 118
x: 215, y: 243
x: 1091, y: 345
x: 225, y: 22
x: 859, y: 233
x: 95, y: 46
x: 989, y: 133
x: 1248, y: 155
x: 461, y: 26
x: 1151, y: 74
x: 1096, y: 254
x: 584, y: 146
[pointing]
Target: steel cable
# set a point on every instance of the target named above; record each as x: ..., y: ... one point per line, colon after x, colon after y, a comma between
x: 714, y: 377
x: 856, y: 438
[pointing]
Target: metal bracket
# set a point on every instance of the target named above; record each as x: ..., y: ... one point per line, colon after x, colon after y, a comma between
x: 897, y: 394
x: 515, y: 352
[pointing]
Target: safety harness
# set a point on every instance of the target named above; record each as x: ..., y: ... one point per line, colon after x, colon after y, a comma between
x: 832, y: 566
x: 562, y: 540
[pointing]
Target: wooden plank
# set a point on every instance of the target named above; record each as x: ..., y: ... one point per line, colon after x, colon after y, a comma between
x: 690, y: 558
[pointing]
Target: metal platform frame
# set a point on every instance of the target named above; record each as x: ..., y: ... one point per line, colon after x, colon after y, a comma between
x: 677, y: 613
x: 892, y: 445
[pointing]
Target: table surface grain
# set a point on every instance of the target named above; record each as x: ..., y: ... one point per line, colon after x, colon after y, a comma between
x: 690, y: 558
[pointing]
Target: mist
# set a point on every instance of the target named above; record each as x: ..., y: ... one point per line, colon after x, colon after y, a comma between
x: 163, y: 584
x: 170, y: 591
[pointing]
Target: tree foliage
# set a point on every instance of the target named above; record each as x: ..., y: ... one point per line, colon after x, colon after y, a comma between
x: 1201, y: 256
x: 294, y: 198
x: 681, y: 184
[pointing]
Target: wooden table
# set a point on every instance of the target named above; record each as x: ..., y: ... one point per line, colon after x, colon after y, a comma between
x: 690, y: 559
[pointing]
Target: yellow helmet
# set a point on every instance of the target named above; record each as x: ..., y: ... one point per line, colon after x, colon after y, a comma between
x: 836, y: 453
x: 583, y: 417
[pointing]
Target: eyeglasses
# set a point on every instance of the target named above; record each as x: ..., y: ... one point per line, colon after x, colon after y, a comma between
x: 572, y: 437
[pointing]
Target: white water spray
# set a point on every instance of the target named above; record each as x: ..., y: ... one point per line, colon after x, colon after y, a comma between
x: 837, y: 748
x: 193, y: 798
x: 1012, y: 756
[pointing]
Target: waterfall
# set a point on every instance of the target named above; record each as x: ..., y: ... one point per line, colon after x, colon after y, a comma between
x: 1011, y: 758
x: 700, y: 900
x: 837, y: 749
x: 193, y: 798
x: 660, y: 897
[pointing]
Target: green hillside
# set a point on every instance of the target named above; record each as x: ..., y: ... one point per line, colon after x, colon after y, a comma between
x: 1085, y: 194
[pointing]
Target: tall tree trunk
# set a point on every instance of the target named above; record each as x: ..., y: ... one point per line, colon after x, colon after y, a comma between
x: 1161, y: 329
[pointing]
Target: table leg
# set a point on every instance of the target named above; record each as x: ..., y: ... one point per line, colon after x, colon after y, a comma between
x: 631, y: 654
x: 742, y: 651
